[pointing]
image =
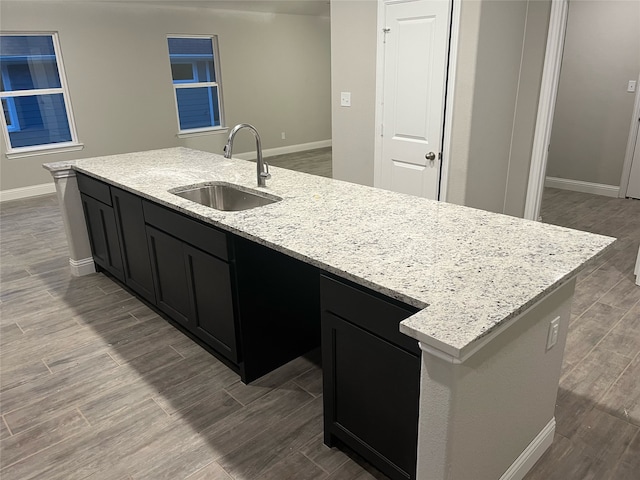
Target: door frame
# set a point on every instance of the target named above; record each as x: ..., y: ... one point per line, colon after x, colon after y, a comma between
x: 454, y: 33
x: 634, y: 131
x: 546, y: 107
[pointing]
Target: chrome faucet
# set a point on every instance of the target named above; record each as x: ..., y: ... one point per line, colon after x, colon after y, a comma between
x: 263, y: 167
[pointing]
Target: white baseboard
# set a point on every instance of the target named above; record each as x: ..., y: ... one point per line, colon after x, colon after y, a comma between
x: 270, y: 152
x: 25, y: 192
x: 584, y: 187
x: 532, y: 453
x: 82, y: 267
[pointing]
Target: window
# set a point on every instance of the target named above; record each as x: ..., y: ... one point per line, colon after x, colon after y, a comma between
x: 195, y: 71
x: 35, y: 102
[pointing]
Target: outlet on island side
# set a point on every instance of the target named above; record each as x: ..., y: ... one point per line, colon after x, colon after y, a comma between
x: 552, y: 336
x: 283, y: 135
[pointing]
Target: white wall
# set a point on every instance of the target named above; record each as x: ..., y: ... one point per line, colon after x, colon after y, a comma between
x: 499, y: 68
x: 593, y: 109
x: 275, y: 73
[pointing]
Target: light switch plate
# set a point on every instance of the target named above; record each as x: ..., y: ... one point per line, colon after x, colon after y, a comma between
x: 345, y: 99
x: 631, y: 86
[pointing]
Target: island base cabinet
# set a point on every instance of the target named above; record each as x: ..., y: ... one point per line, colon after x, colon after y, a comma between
x: 194, y: 289
x: 211, y: 301
x: 127, y: 208
x: 278, y: 308
x: 169, y: 275
x: 103, y: 235
x: 371, y: 385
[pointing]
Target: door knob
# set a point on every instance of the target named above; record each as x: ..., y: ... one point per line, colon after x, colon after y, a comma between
x: 430, y: 156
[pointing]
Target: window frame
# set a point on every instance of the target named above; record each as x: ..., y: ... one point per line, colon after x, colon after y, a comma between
x: 19, y: 152
x: 199, y: 84
x: 11, y: 106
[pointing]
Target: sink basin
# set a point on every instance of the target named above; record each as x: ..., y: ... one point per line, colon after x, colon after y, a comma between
x: 224, y: 196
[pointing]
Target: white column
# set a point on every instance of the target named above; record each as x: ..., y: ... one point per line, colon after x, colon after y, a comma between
x: 80, y: 258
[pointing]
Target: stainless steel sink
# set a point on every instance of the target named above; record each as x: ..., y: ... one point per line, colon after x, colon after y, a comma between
x: 224, y: 196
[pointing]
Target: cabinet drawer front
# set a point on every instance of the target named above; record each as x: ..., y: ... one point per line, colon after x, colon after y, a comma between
x: 205, y: 237
x: 368, y: 311
x: 94, y: 188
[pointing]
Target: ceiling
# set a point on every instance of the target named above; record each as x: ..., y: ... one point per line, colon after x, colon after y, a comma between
x: 294, y: 7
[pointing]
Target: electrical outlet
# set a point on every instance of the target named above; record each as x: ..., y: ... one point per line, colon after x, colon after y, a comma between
x: 283, y: 135
x: 345, y: 99
x: 554, y: 328
x: 631, y: 86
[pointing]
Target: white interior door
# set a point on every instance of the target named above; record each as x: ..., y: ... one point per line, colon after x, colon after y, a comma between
x: 416, y: 42
x: 633, y: 188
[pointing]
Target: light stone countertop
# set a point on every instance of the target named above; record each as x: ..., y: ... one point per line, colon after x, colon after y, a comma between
x: 470, y: 271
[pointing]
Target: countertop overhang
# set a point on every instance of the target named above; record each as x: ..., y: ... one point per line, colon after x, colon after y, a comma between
x: 469, y: 271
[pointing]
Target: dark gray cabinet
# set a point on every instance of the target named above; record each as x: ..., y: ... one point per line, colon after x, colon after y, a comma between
x: 169, y: 275
x: 101, y: 225
x: 212, y: 313
x: 129, y: 217
x: 192, y: 284
x: 279, y: 307
x: 371, y: 377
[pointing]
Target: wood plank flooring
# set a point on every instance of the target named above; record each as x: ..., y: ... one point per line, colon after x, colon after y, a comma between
x: 598, y: 407
x: 316, y: 162
x: 93, y: 384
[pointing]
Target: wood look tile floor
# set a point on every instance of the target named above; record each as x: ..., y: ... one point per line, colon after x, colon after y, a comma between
x: 316, y: 162
x: 93, y: 384
x: 598, y: 406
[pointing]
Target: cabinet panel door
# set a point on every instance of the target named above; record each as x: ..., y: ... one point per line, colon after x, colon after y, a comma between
x: 169, y: 275
x: 371, y: 394
x: 212, y: 301
x: 103, y: 235
x: 133, y: 242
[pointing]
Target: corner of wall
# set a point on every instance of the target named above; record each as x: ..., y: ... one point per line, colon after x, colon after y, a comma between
x: 463, y: 101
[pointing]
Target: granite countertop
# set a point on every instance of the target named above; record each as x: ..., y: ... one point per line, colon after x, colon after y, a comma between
x: 469, y: 271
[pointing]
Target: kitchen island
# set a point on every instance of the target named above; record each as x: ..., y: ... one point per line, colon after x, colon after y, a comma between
x: 487, y: 296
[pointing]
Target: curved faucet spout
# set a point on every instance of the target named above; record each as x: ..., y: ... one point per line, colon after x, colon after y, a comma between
x: 262, y: 166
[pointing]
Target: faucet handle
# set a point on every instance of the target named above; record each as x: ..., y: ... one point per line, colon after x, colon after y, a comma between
x: 227, y: 150
x: 266, y: 173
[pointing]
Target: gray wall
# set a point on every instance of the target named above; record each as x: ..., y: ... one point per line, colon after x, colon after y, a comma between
x: 533, y: 54
x: 506, y: 87
x: 593, y: 109
x: 499, y: 68
x: 353, y: 67
x: 275, y: 72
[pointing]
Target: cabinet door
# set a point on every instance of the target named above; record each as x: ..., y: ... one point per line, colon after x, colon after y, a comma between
x: 103, y: 235
x: 133, y: 242
x: 373, y: 396
x: 212, y: 312
x: 371, y: 383
x: 169, y: 275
